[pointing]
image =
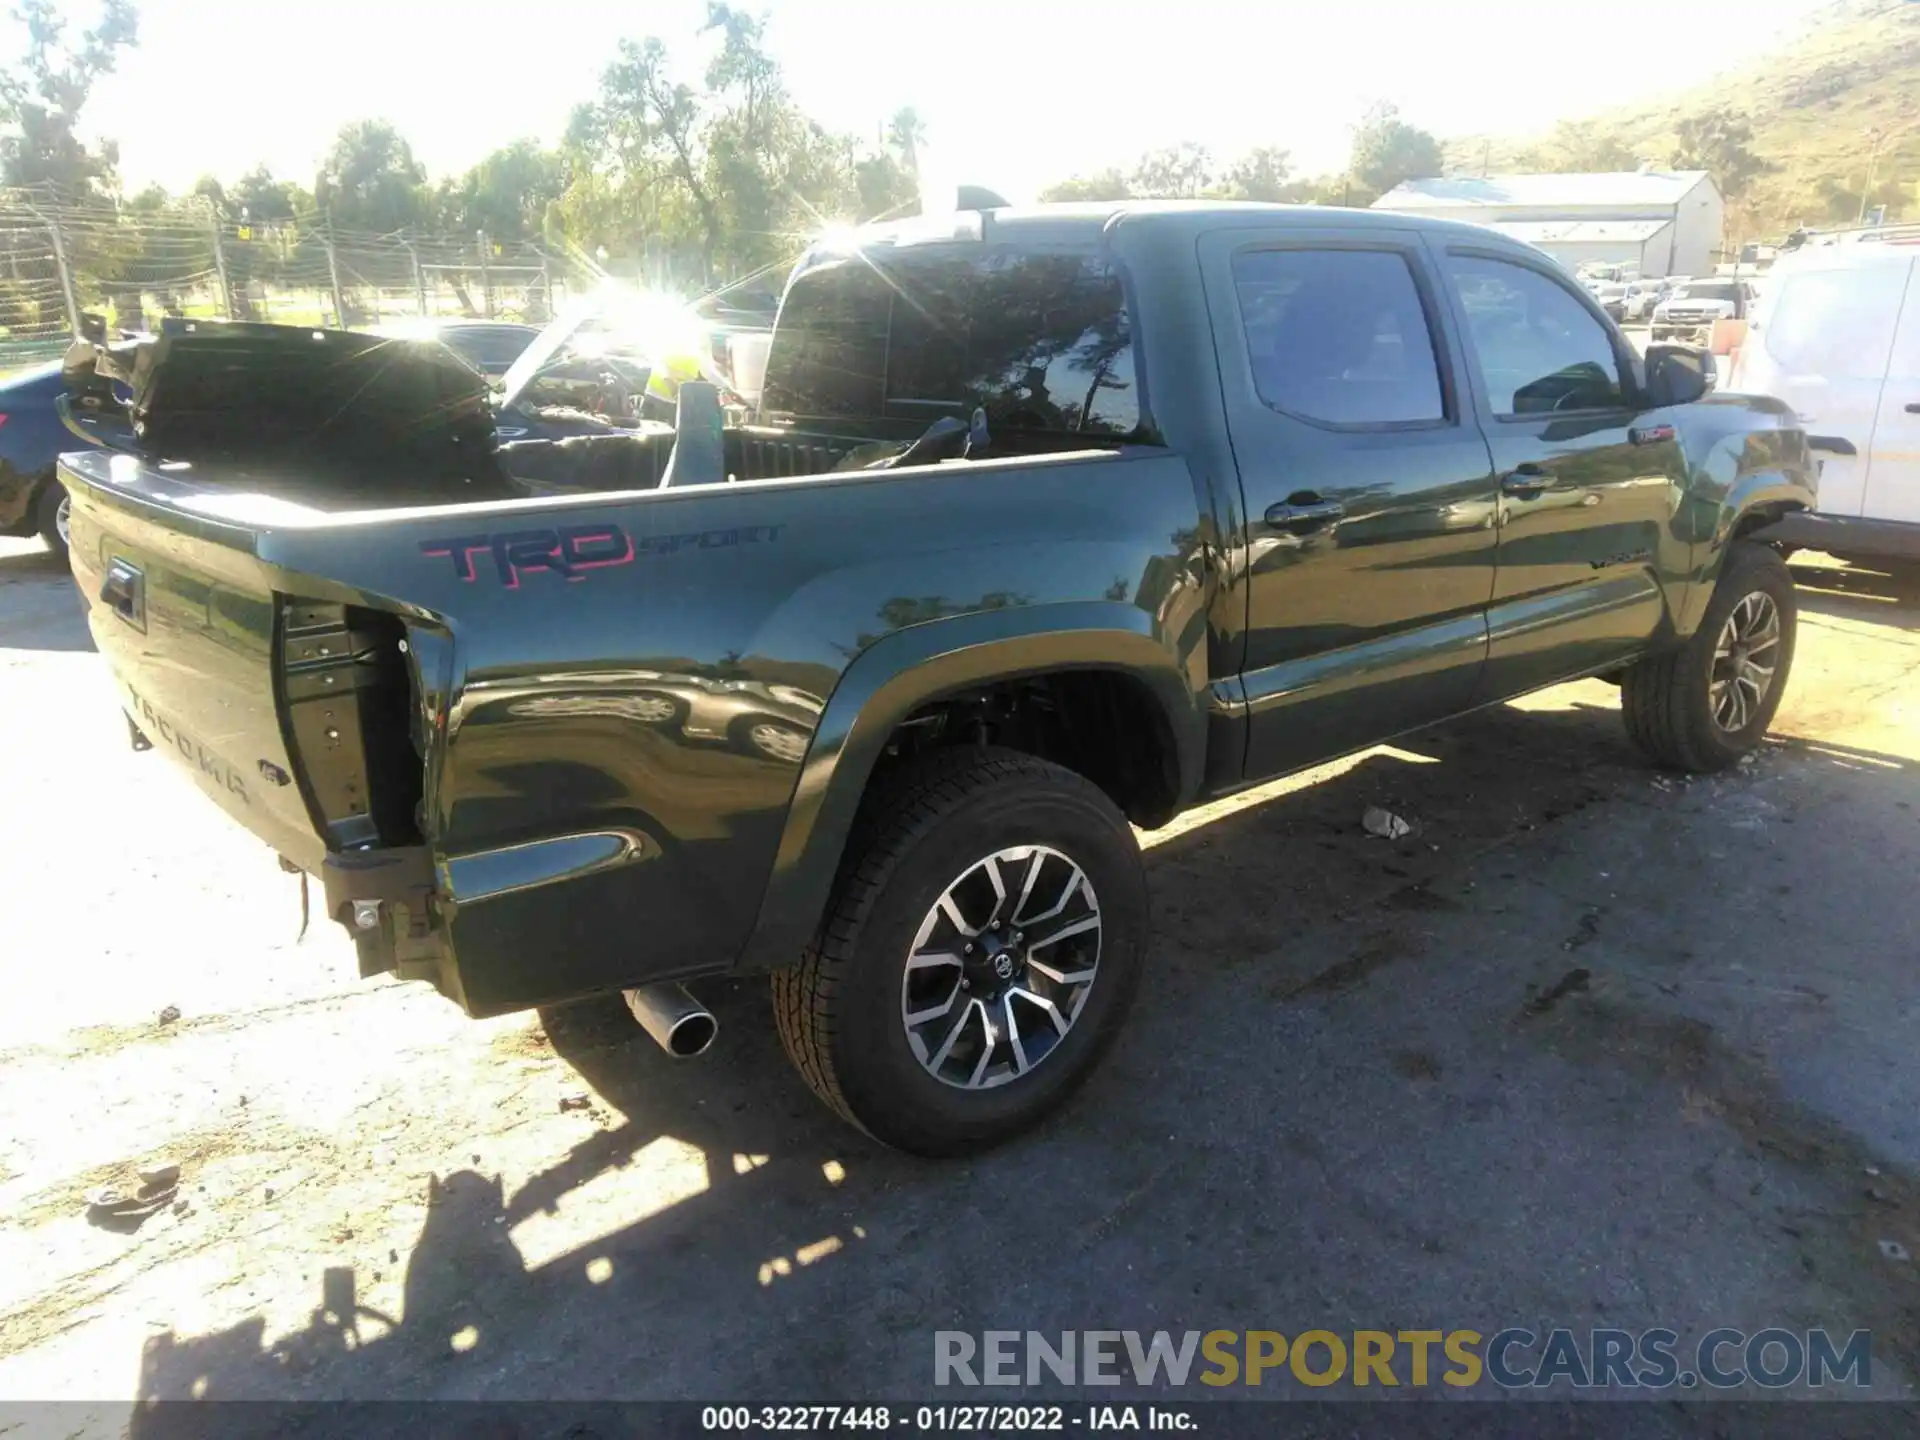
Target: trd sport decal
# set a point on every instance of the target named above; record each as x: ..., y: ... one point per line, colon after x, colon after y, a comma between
x: 572, y: 550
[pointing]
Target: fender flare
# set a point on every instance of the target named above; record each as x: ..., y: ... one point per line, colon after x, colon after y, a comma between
x: 892, y: 678
x: 1769, y: 493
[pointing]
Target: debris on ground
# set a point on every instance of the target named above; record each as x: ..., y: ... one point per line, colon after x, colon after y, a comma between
x: 1894, y: 1250
x: 1587, y: 930
x: 1576, y: 979
x: 113, y: 1208
x: 576, y: 1102
x: 170, y: 1014
x: 1384, y: 823
x: 160, y: 1175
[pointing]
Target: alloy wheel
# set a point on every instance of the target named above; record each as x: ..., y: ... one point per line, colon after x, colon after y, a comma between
x: 1744, y: 661
x: 1001, y: 967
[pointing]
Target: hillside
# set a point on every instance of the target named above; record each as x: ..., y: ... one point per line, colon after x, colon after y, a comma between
x: 1854, y: 68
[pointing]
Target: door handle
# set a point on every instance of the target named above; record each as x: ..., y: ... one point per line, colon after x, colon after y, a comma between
x: 1525, y: 481
x: 1914, y: 408
x: 124, y: 592
x: 1305, y: 514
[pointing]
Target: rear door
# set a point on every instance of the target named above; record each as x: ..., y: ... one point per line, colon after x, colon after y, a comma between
x: 1588, y: 481
x: 1893, y: 460
x: 1369, y: 492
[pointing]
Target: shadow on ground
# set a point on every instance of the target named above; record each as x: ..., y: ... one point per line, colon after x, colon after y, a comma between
x: 1888, y: 596
x: 1193, y: 1180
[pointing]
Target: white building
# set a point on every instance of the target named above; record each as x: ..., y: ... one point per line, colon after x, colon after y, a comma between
x: 1653, y: 222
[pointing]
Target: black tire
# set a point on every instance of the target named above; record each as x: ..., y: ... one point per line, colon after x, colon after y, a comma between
x: 840, y: 1010
x: 53, y: 495
x: 1666, y: 700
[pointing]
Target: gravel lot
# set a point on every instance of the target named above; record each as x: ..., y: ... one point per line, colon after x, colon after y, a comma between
x: 1590, y: 1047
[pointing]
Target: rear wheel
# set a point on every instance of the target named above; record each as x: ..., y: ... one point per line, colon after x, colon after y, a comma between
x: 53, y: 512
x: 1703, y: 706
x: 982, y: 949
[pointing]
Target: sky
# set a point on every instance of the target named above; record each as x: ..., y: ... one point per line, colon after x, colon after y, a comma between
x: 1013, y: 95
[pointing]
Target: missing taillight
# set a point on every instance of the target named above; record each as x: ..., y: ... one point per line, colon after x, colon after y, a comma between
x: 346, y: 695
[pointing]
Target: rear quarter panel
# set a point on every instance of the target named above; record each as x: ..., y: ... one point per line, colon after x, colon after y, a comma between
x: 567, y: 708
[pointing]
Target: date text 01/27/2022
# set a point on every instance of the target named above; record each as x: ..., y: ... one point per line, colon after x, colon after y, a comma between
x: 945, y: 1419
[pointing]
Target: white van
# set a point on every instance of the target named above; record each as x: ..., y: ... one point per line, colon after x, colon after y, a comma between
x: 1837, y: 336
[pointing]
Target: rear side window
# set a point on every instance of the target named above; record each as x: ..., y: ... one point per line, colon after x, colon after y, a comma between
x: 1338, y: 336
x: 1835, y: 324
x: 1539, y: 349
x: 1043, y: 342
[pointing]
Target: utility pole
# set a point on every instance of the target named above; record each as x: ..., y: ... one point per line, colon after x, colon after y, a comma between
x: 486, y: 275
x: 220, y: 262
x: 333, y: 276
x: 66, y: 271
x: 419, y: 277
x: 1873, y: 160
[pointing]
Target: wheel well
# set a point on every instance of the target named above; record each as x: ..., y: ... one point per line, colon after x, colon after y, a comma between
x: 1103, y: 724
x: 1760, y: 517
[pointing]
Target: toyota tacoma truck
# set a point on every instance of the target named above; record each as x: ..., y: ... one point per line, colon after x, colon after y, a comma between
x: 1053, y: 523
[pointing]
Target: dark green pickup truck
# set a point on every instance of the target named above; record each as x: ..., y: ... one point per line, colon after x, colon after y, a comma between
x: 1054, y: 520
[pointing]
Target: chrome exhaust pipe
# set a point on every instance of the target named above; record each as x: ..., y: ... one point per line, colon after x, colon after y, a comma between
x: 678, y: 1023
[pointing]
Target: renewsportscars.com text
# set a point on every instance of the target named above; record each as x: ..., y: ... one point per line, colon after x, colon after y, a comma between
x: 1511, y: 1359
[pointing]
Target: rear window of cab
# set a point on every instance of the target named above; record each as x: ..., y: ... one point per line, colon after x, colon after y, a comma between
x: 892, y: 341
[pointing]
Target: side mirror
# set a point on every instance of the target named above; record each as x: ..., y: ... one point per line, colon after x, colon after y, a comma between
x: 93, y: 328
x: 1678, y: 374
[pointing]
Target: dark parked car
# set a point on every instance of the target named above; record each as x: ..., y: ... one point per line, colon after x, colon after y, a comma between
x: 1063, y: 518
x: 37, y: 422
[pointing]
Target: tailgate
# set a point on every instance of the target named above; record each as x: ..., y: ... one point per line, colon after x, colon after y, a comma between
x: 266, y: 699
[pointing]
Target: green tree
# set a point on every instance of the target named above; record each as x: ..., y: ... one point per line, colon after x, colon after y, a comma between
x: 1179, y: 172
x: 506, y: 194
x: 211, y: 192
x: 1322, y: 190
x: 370, y: 180
x: 1719, y: 142
x: 1260, y: 174
x: 724, y: 179
x: 43, y: 93
x: 1386, y: 151
x: 906, y: 133
x: 263, y: 200
x: 1105, y: 185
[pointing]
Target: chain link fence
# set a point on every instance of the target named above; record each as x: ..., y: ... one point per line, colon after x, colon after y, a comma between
x: 60, y: 259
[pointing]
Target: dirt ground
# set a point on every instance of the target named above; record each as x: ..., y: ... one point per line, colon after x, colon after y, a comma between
x: 1590, y: 1046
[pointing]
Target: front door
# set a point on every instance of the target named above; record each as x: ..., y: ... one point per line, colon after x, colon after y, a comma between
x: 1590, y: 479
x: 1893, y: 460
x: 1367, y: 558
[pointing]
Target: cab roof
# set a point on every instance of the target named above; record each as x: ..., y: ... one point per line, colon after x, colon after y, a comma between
x: 1085, y: 222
